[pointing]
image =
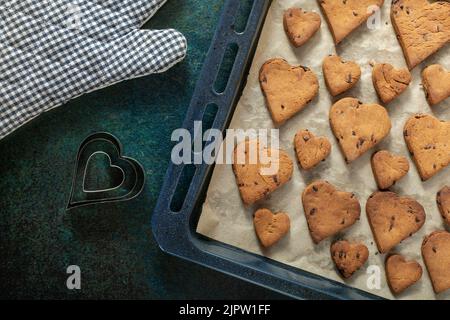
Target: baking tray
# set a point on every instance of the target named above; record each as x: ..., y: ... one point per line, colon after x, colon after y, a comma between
x: 174, y: 228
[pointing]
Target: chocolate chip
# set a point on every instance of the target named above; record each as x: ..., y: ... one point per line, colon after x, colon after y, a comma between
x: 283, y: 107
x: 305, y: 138
x: 304, y: 68
x: 315, y: 189
x: 312, y: 211
x: 275, y: 179
x: 353, y: 133
x: 360, y: 142
x: 349, y: 78
x: 434, y: 249
x: 391, y: 225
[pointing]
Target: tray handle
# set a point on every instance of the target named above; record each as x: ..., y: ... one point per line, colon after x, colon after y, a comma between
x: 205, y: 94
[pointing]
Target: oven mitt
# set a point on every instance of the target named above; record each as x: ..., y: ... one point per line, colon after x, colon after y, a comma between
x: 52, y: 51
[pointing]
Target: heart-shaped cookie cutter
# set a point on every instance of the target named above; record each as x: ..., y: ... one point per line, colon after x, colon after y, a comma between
x: 133, y: 176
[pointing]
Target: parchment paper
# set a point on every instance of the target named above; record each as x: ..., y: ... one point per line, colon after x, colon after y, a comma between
x: 224, y: 217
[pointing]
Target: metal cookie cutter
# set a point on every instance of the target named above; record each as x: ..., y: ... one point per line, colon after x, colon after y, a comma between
x: 126, y: 177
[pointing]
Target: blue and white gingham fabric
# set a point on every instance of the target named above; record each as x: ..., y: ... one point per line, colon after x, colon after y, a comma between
x: 52, y: 51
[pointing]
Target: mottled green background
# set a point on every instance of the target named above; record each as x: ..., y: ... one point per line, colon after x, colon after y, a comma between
x: 112, y: 244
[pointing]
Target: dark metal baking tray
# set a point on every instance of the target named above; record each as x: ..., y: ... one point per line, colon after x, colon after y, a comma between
x: 174, y: 230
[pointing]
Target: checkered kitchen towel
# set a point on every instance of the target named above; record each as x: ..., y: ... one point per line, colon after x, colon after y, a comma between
x: 54, y: 50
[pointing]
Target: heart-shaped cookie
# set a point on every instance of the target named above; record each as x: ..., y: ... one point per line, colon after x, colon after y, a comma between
x: 436, y: 254
x: 388, y: 168
x: 259, y: 170
x: 269, y: 227
x: 401, y: 274
x: 344, y: 16
x: 358, y: 127
x: 340, y: 75
x: 287, y: 89
x: 311, y: 149
x: 393, y: 218
x: 348, y: 257
x: 328, y: 210
x: 443, y: 201
x: 428, y: 140
x: 436, y: 83
x: 390, y: 82
x: 422, y: 28
x: 300, y: 25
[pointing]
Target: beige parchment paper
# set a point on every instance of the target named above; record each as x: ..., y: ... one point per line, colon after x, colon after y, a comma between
x: 226, y: 219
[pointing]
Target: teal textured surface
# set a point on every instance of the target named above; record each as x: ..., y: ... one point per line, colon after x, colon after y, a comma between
x: 112, y: 244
